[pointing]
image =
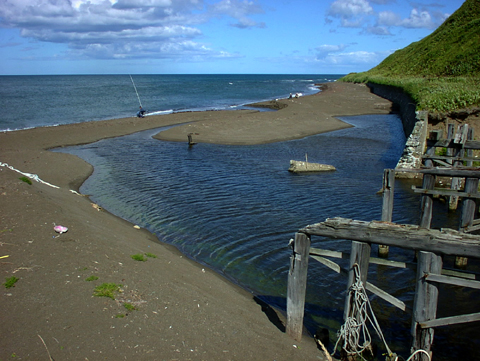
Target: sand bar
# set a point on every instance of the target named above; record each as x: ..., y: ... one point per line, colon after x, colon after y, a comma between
x: 184, y: 311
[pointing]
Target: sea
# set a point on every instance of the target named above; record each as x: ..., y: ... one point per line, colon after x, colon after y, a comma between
x: 234, y: 209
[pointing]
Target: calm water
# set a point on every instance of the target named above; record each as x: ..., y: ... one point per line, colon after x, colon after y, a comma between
x: 234, y: 208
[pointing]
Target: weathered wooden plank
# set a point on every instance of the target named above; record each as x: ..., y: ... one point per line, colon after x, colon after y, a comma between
x: 451, y: 158
x: 425, y: 301
x: 444, y: 192
x: 359, y: 257
x: 426, y: 203
x: 328, y: 253
x: 445, y: 241
x: 345, y: 255
x: 453, y: 320
x: 458, y: 152
x: 297, y: 286
x: 387, y: 205
x: 330, y: 264
x: 445, y: 143
x: 388, y: 192
x: 472, y: 228
x: 390, y: 263
x: 473, y: 172
x: 452, y: 281
x: 468, y: 208
x: 461, y: 136
x: 386, y: 296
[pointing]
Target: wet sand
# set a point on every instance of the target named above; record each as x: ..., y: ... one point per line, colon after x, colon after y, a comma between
x: 184, y: 310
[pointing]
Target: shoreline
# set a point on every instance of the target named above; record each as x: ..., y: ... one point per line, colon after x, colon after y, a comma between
x: 211, y: 317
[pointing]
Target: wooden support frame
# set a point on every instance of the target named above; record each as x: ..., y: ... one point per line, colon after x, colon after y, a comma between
x: 425, y: 302
x: 297, y: 286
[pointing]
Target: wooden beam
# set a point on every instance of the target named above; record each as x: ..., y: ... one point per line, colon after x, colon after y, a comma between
x: 445, y: 143
x: 445, y: 192
x: 473, y: 172
x: 386, y: 296
x: 460, y: 282
x: 445, y: 241
x: 344, y: 255
x: 453, y: 320
x: 390, y: 263
x: 330, y: 264
x: 297, y: 286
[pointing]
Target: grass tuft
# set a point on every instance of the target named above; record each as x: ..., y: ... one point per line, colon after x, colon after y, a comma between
x: 10, y: 282
x: 138, y: 257
x: 107, y: 290
x: 26, y: 180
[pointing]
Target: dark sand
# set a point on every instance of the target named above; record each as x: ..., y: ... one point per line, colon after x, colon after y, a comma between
x: 185, y: 311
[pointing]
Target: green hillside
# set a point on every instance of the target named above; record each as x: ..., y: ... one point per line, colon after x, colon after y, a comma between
x: 440, y: 72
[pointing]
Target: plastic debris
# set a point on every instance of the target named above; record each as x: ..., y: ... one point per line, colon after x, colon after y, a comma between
x: 60, y: 229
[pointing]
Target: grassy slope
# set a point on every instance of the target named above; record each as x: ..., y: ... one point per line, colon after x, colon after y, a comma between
x: 440, y: 72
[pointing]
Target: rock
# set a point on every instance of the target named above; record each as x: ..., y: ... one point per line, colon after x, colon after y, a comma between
x: 297, y: 166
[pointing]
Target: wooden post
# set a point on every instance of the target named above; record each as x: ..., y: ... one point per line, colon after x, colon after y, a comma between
x: 297, y: 285
x: 360, y: 256
x: 428, y: 183
x: 458, y: 151
x: 425, y: 302
x: 387, y: 207
x: 470, y: 136
x: 468, y: 215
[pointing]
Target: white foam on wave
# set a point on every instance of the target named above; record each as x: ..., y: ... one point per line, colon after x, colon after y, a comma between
x: 159, y: 112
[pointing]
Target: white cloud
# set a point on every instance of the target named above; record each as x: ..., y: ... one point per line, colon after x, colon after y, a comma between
x: 388, y: 18
x: 356, y: 57
x: 124, y: 28
x: 325, y: 50
x: 349, y: 8
x: 361, y: 14
x: 240, y: 11
x: 418, y: 19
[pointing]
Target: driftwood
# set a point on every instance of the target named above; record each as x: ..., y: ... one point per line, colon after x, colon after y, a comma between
x: 297, y: 166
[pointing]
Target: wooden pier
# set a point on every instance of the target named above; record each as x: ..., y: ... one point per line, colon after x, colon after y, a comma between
x: 430, y: 245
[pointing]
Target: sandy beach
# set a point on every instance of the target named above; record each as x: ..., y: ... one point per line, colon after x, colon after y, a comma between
x: 184, y: 311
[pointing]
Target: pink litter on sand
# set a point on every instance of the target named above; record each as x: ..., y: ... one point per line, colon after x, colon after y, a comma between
x: 60, y: 229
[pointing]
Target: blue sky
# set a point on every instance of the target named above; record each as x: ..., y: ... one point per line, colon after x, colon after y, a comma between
x: 209, y: 36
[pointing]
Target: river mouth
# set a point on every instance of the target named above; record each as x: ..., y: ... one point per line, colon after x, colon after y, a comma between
x: 235, y: 208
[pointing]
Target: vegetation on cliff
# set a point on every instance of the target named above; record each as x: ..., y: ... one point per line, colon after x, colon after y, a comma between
x: 441, y: 72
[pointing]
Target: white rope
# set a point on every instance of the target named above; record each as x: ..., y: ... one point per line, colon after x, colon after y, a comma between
x: 354, y: 332
x: 35, y: 177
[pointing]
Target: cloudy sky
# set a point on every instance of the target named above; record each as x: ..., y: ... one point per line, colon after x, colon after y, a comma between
x: 210, y: 36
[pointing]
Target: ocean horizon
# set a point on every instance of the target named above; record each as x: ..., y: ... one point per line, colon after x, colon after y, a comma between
x: 30, y: 101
